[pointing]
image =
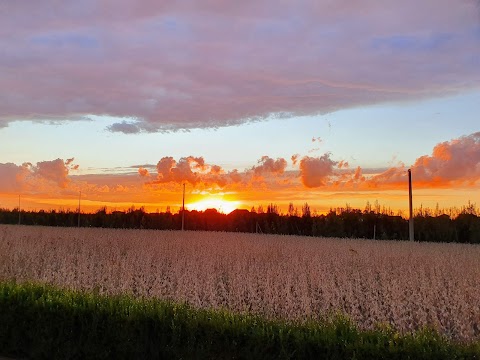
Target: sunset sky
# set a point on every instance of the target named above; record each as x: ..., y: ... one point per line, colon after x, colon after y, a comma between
x: 246, y: 102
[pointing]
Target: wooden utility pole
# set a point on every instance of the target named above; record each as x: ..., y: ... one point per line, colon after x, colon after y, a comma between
x: 19, y: 212
x: 410, y: 221
x: 183, y: 208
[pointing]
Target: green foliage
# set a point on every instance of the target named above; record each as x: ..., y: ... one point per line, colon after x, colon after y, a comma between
x: 44, y: 322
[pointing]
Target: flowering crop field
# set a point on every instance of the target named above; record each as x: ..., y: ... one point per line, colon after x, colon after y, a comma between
x: 405, y: 285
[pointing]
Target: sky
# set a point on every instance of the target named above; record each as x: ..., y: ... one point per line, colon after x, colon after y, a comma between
x: 119, y: 103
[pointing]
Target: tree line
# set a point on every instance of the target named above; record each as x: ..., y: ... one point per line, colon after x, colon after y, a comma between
x: 370, y: 223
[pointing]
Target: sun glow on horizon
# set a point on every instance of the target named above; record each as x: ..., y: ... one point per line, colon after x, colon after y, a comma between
x: 221, y: 205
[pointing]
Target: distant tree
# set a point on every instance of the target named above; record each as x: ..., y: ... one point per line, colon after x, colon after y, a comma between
x: 272, y: 209
x: 470, y: 209
x: 306, y: 210
x: 452, y: 225
x: 291, y: 210
x: 368, y: 208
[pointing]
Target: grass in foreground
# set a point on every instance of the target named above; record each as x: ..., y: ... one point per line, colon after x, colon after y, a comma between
x: 45, y: 322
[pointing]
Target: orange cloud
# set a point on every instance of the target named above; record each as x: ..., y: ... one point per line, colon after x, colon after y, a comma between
x: 143, y: 172
x: 56, y: 170
x: 267, y: 165
x: 193, y: 170
x: 452, y: 163
x: 69, y: 162
x: 315, y: 171
x: 32, y: 177
x: 11, y: 176
x: 358, y: 174
x: 294, y: 159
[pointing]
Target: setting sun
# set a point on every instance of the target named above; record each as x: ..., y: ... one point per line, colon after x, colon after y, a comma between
x: 223, y: 206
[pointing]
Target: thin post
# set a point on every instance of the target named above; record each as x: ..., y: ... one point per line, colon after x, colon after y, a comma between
x: 79, y: 197
x: 258, y: 229
x: 410, y: 221
x: 19, y: 211
x: 183, y: 208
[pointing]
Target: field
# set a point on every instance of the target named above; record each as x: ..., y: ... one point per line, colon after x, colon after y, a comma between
x: 403, y: 285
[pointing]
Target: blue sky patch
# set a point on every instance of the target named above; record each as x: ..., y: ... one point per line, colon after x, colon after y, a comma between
x: 65, y: 40
x: 411, y: 43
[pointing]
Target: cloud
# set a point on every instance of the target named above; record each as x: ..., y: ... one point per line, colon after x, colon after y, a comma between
x: 267, y: 165
x: 124, y: 127
x: 182, y: 171
x: 343, y: 164
x: 196, y: 171
x: 11, y: 176
x: 193, y: 170
x: 358, y: 174
x: 161, y: 66
x: 143, y: 172
x: 315, y: 171
x: 32, y: 177
x: 294, y: 159
x: 97, y: 184
x: 452, y: 163
x: 55, y: 170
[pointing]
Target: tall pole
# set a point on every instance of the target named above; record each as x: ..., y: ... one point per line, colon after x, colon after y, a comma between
x: 410, y: 221
x: 183, y: 207
x: 79, y: 197
x: 19, y: 212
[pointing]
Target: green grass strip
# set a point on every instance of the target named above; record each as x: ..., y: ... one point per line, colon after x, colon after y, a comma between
x: 45, y: 322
